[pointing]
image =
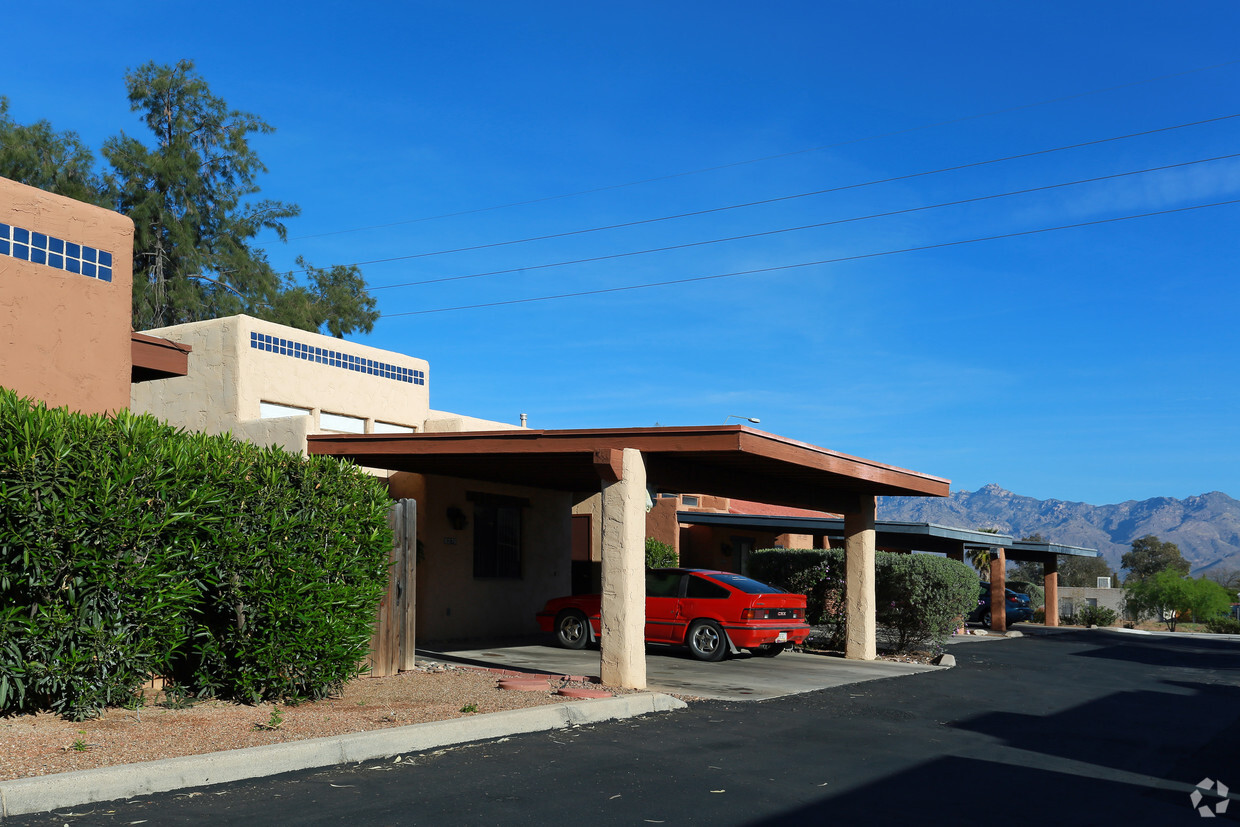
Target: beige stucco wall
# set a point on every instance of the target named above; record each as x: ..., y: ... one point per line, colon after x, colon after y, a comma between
x: 64, y: 337
x: 442, y: 422
x: 229, y: 378
x: 451, y: 603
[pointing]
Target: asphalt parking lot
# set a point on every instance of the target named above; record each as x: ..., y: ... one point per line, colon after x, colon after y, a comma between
x: 673, y: 670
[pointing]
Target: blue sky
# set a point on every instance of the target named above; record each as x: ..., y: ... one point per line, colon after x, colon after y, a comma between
x: 1096, y: 363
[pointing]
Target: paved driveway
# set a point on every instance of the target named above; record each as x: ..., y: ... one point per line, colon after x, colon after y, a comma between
x: 668, y: 669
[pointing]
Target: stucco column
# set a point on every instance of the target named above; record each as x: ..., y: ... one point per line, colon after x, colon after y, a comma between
x: 623, y: 641
x: 998, y: 590
x: 1050, y: 581
x: 859, y: 620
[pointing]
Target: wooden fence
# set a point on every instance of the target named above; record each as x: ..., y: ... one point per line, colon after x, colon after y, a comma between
x: 391, y: 648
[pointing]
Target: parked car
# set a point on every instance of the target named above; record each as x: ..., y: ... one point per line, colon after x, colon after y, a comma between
x: 1017, y: 606
x: 710, y: 612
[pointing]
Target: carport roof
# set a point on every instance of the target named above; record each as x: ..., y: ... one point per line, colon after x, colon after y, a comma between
x: 723, y: 460
x: 893, y: 534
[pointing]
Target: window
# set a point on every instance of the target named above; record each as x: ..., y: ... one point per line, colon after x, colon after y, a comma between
x: 341, y: 423
x: 497, y: 534
x: 270, y: 410
x: 689, y: 502
x: 392, y: 428
x: 663, y: 583
x: 699, y: 588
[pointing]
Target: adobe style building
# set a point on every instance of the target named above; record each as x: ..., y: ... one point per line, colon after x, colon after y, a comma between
x: 65, y: 297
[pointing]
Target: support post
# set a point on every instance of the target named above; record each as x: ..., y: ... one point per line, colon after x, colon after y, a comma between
x: 1050, y: 581
x: 861, y: 640
x: 998, y: 590
x: 623, y: 641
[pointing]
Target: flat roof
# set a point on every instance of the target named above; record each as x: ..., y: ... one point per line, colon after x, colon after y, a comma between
x: 721, y: 460
x: 906, y: 536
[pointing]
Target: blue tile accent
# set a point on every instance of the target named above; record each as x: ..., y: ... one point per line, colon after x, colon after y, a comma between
x: 333, y: 358
x: 57, y: 253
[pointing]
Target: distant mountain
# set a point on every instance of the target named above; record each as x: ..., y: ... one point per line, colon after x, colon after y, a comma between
x: 1206, y: 528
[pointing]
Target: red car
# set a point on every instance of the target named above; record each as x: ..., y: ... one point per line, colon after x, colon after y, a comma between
x: 711, y: 612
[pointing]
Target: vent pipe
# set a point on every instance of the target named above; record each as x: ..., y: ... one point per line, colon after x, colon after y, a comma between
x: 523, y: 418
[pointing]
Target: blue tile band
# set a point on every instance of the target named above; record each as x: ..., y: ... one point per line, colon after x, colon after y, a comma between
x: 38, y: 248
x: 336, y: 359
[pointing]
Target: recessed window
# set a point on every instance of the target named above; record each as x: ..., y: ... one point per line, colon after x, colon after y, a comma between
x: 688, y: 500
x: 270, y: 410
x: 393, y: 428
x: 341, y: 423
x: 497, y: 534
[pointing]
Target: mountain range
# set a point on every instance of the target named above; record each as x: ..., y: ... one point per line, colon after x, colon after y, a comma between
x: 1206, y: 528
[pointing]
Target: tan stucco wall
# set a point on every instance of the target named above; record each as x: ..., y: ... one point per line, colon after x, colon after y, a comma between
x: 228, y: 379
x: 64, y: 337
x: 453, y: 604
x: 442, y: 422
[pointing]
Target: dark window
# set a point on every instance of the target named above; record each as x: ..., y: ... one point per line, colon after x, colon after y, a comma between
x: 663, y: 584
x: 497, y: 535
x: 699, y: 587
x: 745, y: 584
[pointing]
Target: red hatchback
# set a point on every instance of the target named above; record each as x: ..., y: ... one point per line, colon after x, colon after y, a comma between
x: 711, y: 612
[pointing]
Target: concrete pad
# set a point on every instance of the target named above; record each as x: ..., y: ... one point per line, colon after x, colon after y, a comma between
x: 70, y: 789
x: 669, y: 669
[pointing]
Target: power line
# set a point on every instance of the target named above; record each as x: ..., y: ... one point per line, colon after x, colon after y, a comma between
x: 762, y: 159
x: 839, y: 260
x: 778, y: 199
x: 817, y: 225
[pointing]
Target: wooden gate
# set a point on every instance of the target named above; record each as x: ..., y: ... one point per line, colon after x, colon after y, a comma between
x: 391, y: 647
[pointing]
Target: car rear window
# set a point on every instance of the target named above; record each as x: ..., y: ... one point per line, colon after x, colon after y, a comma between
x: 745, y: 584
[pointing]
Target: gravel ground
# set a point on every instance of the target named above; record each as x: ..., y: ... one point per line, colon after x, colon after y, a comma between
x: 44, y: 744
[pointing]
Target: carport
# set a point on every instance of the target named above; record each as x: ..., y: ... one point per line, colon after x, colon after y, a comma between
x: 908, y: 537
x: 723, y: 460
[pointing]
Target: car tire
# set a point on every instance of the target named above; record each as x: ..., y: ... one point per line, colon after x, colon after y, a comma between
x: 768, y: 650
x: 986, y: 619
x: 572, y: 629
x: 706, y: 641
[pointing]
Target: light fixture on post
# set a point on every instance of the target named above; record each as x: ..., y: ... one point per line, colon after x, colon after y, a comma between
x: 752, y: 419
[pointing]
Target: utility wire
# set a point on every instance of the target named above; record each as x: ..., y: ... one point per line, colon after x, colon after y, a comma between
x: 806, y: 226
x: 777, y: 199
x: 858, y: 257
x: 848, y: 142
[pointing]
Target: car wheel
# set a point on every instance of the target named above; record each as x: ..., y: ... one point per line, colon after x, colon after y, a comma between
x: 706, y: 641
x: 572, y: 630
x: 768, y: 650
x: 986, y: 619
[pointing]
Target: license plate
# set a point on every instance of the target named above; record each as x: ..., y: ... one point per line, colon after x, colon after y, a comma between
x: 782, y: 637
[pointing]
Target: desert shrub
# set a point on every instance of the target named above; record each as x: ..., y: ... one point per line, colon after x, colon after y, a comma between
x: 919, y: 597
x: 659, y: 555
x: 291, y: 572
x: 1223, y: 625
x: 1096, y: 616
x: 129, y: 548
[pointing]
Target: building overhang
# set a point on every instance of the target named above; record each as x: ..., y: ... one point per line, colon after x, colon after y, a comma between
x: 721, y: 460
x: 156, y: 358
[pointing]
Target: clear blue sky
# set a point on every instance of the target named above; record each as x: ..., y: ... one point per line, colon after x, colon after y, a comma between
x: 1097, y: 363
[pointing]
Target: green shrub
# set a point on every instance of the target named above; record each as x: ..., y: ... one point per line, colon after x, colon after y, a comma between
x: 660, y: 555
x: 1223, y: 625
x: 1096, y: 616
x: 919, y: 597
x: 129, y: 549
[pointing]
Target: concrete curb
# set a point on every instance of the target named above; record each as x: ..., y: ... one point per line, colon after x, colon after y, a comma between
x: 48, y: 792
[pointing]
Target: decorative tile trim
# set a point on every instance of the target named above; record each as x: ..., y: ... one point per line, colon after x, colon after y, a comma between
x: 336, y: 359
x: 37, y: 248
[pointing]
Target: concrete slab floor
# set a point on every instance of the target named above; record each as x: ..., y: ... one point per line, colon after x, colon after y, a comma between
x: 673, y: 670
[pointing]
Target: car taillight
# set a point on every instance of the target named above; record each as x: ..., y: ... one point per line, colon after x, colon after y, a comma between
x: 771, y: 614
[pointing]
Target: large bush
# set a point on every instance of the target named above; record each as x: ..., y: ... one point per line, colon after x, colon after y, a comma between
x: 129, y: 549
x: 918, y: 597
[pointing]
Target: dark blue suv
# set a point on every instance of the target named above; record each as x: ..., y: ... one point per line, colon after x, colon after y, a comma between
x: 1017, y: 606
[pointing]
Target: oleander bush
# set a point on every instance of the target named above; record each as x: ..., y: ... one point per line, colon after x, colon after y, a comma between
x: 129, y: 548
x: 1096, y: 616
x: 918, y: 597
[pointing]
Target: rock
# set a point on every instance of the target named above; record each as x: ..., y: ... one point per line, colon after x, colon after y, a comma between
x: 1013, y: 633
x: 944, y: 660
